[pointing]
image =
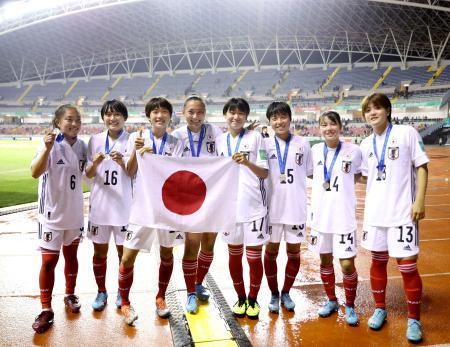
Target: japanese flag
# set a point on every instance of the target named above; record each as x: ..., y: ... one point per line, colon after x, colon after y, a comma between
x: 185, y: 194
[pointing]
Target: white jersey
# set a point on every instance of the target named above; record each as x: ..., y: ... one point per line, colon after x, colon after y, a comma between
x: 334, y: 209
x: 111, y: 191
x: 252, y: 193
x: 173, y: 147
x: 60, y: 203
x: 287, y: 199
x: 208, y: 147
x: 390, y: 197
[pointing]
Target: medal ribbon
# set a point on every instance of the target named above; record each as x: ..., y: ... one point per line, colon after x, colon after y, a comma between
x: 381, y: 165
x: 236, y: 149
x: 163, y: 143
x: 326, y: 173
x: 107, y: 149
x: 282, y: 161
x: 200, y: 141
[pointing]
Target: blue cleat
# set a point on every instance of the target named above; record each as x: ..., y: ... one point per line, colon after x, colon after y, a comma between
x: 274, y: 305
x: 287, y: 302
x: 350, y: 316
x: 414, y: 331
x: 191, y: 304
x: 100, y: 301
x: 327, y: 309
x: 377, y: 320
x: 202, y: 293
x: 118, y: 301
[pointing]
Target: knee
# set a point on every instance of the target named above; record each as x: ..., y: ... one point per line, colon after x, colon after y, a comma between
x: 166, y: 253
x: 127, y: 260
x: 347, y: 266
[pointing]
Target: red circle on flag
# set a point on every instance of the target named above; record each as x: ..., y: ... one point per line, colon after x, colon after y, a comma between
x: 183, y: 192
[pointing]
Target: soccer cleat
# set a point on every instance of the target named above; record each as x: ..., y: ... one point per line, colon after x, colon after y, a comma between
x: 100, y: 301
x: 43, y: 321
x: 72, y: 303
x: 118, y: 300
x: 414, y: 331
x: 252, y: 311
x: 202, y: 293
x: 377, y: 320
x: 350, y: 316
x: 287, y: 302
x: 128, y: 314
x: 240, y: 307
x: 274, y: 305
x: 191, y: 304
x: 161, y: 308
x: 327, y: 309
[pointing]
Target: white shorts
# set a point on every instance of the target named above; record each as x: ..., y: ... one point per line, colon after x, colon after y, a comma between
x: 102, y: 233
x: 342, y: 246
x: 292, y: 233
x: 253, y: 233
x: 400, y: 242
x: 140, y: 237
x: 54, y: 239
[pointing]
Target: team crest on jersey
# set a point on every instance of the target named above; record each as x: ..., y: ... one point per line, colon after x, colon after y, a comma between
x: 82, y: 164
x: 346, y: 166
x: 129, y: 235
x: 47, y: 236
x: 211, y: 146
x: 393, y: 152
x: 299, y: 158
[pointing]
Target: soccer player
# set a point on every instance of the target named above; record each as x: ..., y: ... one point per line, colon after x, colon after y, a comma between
x: 333, y: 217
x: 59, y: 165
x: 110, y: 198
x: 199, y: 139
x: 290, y: 163
x: 155, y: 141
x: 247, y: 149
x: 395, y: 163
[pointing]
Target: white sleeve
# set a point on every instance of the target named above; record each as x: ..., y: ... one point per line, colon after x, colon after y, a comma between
x: 129, y: 148
x: 309, y: 160
x: 41, y: 148
x: 178, y: 148
x: 418, y: 155
x: 364, y: 159
x: 90, y: 150
x: 261, y: 154
x: 357, y: 159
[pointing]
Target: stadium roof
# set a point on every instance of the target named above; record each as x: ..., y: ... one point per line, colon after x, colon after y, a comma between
x: 88, y: 38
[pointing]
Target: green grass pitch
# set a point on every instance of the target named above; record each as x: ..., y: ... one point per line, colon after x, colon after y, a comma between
x: 16, y: 184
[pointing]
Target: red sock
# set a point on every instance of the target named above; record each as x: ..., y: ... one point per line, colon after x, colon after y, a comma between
x: 328, y: 279
x: 235, y: 265
x: 99, y: 265
x: 47, y: 276
x: 350, y: 285
x: 125, y: 282
x: 256, y: 271
x: 413, y: 286
x: 71, y: 265
x: 378, y: 277
x: 189, y: 269
x: 165, y: 272
x: 292, y: 267
x: 204, y: 261
x: 270, y: 268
